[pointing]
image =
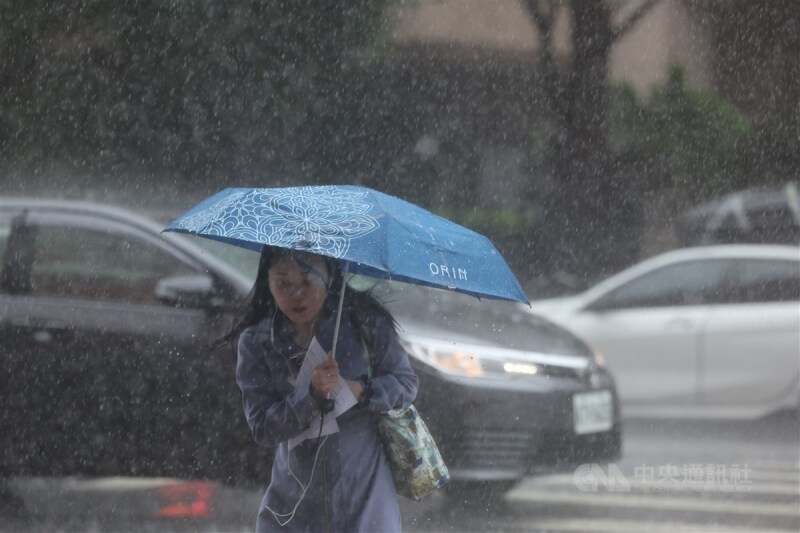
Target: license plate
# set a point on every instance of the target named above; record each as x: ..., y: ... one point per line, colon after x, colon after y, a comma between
x: 593, y: 411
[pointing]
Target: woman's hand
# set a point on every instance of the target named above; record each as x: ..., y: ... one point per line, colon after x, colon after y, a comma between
x: 356, y: 388
x: 325, y: 378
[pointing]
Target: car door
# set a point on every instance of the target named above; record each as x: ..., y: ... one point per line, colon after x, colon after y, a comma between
x: 752, y: 343
x: 648, y: 329
x: 104, y: 378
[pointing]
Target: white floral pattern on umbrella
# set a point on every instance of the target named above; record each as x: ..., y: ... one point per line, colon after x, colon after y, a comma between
x: 318, y: 219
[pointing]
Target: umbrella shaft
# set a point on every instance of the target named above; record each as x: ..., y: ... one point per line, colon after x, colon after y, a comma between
x: 339, y: 312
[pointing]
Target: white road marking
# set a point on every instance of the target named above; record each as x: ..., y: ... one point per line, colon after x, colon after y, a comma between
x: 769, y: 464
x: 781, y: 485
x: 633, y: 500
x: 593, y: 525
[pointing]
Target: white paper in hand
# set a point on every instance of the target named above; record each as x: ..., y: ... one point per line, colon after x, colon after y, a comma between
x: 342, y: 396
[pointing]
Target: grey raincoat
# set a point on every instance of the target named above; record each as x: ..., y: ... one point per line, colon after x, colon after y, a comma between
x: 345, y: 477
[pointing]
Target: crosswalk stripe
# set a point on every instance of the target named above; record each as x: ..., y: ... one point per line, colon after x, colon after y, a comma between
x: 775, y: 475
x: 629, y: 526
x: 789, y: 488
x: 771, y: 475
x: 770, y: 464
x: 653, y: 502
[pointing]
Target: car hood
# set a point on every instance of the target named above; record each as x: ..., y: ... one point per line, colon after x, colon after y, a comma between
x: 541, y: 337
x: 409, y: 328
x: 554, y: 308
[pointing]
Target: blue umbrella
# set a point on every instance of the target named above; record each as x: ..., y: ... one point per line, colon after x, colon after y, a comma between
x: 372, y: 233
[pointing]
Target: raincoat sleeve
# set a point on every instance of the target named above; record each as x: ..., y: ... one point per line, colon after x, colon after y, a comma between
x: 394, y: 383
x: 272, y: 418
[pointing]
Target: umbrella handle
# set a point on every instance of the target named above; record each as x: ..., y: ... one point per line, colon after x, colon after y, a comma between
x: 341, y: 305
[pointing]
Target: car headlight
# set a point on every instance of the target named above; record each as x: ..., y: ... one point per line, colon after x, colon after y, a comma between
x: 448, y: 361
x: 528, y: 369
x: 468, y: 361
x: 599, y: 359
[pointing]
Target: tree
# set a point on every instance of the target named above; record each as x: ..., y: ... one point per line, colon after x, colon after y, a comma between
x: 592, y: 203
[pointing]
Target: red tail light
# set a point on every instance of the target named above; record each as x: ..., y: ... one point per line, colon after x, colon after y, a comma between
x: 189, y: 499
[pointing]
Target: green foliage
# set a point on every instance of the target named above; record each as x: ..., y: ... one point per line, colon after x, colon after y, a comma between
x: 680, y: 136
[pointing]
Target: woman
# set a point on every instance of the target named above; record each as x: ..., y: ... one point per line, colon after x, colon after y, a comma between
x: 341, y: 481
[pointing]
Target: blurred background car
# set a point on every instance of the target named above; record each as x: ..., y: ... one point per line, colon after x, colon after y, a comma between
x: 699, y: 332
x: 104, y: 338
x: 763, y: 215
x: 107, y: 366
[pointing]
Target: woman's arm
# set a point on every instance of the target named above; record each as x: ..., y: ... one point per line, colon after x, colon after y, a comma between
x: 394, y: 383
x: 272, y: 419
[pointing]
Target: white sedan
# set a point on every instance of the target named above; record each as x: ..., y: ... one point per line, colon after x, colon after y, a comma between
x: 700, y: 332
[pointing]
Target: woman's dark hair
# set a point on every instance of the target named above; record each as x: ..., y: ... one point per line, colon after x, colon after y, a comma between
x: 260, y: 303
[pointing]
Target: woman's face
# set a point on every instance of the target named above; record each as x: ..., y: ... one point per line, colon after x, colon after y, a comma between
x: 299, y: 285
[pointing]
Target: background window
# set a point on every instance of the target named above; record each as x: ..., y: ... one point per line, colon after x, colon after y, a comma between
x: 81, y: 263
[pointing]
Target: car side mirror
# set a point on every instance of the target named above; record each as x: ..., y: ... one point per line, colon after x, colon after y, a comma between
x: 193, y: 291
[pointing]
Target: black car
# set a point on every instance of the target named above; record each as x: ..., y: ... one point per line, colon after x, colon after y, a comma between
x: 108, y: 365
x: 105, y: 359
x: 505, y: 392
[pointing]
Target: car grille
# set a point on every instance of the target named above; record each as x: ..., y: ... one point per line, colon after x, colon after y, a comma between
x: 501, y: 450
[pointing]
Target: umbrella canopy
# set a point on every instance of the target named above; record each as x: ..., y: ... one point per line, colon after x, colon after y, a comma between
x: 372, y: 233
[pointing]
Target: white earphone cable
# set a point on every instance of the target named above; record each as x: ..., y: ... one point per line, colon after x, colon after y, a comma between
x: 279, y: 516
